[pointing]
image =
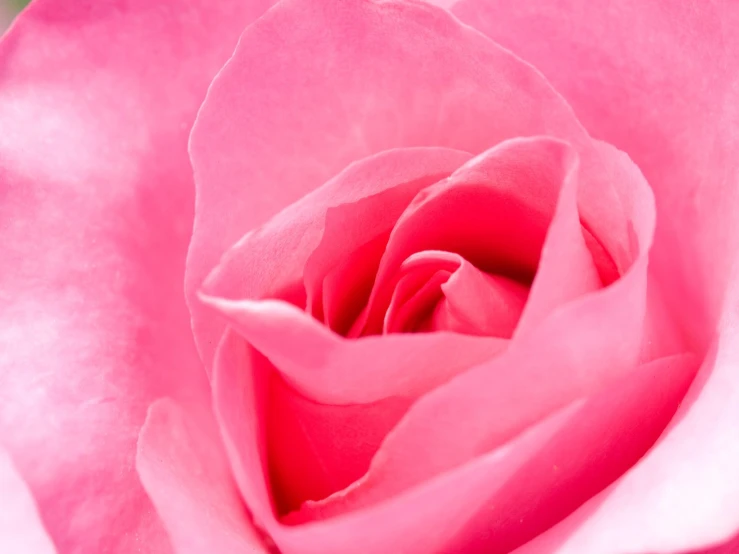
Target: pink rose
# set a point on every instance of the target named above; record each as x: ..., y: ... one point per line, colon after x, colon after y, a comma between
x: 461, y: 277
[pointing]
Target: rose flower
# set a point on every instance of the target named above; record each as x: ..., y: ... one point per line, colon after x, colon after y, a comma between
x: 370, y: 276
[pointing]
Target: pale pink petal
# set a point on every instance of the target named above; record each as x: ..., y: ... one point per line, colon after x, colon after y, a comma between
x: 314, y: 86
x: 96, y: 104
x: 680, y: 496
x: 241, y: 382
x: 331, y: 369
x: 21, y: 529
x: 670, y: 68
x: 184, y: 469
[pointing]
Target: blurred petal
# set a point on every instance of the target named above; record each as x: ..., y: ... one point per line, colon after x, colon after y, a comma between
x: 96, y: 103
x: 184, y: 469
x: 21, y: 529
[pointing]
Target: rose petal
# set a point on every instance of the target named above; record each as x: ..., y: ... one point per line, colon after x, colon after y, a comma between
x: 478, y: 303
x: 315, y: 449
x: 330, y: 369
x: 462, y: 298
x: 346, y: 80
x: 184, y: 470
x: 364, y: 221
x: 728, y: 547
x: 676, y: 498
x: 412, y: 301
x: 240, y: 389
x: 21, y: 529
x: 96, y: 103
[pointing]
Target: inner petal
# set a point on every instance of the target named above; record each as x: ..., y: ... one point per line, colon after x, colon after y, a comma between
x: 441, y: 291
x: 413, y: 301
x: 494, y: 211
x: 476, y: 303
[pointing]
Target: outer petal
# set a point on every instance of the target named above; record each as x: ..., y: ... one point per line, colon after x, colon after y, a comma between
x: 672, y: 71
x: 21, y: 529
x: 314, y: 86
x: 682, y: 495
x: 96, y: 102
x: 183, y: 467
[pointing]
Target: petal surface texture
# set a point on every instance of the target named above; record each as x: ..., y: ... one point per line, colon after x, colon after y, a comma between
x: 96, y: 104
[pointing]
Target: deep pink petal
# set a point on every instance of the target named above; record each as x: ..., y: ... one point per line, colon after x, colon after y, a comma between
x: 496, y: 211
x: 461, y: 298
x: 21, y: 529
x: 456, y: 511
x: 589, y: 448
x: 96, y: 103
x: 351, y: 226
x: 730, y: 546
x: 346, y: 80
x: 317, y: 449
x: 410, y: 306
x: 480, y: 304
x: 453, y: 510
x: 184, y: 469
